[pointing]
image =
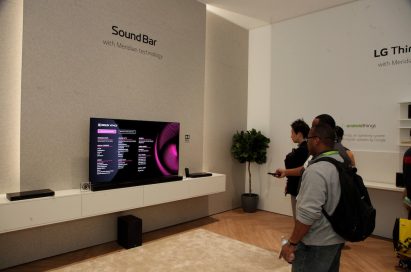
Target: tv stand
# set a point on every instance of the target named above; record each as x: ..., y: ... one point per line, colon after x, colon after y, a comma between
x: 78, y: 204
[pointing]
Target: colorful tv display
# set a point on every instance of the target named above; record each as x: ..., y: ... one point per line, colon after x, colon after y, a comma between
x: 131, y: 152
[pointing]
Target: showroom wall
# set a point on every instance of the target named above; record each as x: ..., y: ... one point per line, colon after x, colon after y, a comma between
x: 225, y: 99
x: 73, y: 69
x: 81, y: 66
x: 331, y: 62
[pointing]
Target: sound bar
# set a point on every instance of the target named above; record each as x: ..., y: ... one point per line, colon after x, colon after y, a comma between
x: 196, y: 175
x: 200, y: 174
x: 29, y: 194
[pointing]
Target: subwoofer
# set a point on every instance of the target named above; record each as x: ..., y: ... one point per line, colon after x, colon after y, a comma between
x: 129, y: 231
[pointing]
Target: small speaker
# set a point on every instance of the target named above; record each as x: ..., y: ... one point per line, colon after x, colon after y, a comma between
x: 399, y: 180
x: 196, y: 175
x: 29, y: 194
x: 129, y: 231
x: 409, y: 111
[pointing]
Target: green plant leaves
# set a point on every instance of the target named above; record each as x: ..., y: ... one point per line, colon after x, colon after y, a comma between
x: 250, y: 146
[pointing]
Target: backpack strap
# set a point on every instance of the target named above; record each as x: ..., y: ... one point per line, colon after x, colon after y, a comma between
x: 333, y: 161
x: 328, y: 159
x: 337, y: 165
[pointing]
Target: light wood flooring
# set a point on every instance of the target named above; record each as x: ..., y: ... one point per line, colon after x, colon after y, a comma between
x: 263, y: 229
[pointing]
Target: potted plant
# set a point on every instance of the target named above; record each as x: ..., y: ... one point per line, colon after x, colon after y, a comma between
x: 250, y: 146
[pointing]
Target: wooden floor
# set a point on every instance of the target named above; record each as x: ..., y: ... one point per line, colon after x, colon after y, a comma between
x: 263, y: 229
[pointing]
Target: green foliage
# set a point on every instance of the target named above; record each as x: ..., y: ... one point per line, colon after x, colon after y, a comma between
x: 250, y: 146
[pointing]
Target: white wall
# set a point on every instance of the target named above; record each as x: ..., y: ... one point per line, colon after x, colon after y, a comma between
x: 225, y: 104
x: 324, y: 63
x: 11, y: 31
x: 259, y: 116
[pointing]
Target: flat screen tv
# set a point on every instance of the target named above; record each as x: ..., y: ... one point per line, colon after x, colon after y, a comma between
x: 130, y: 152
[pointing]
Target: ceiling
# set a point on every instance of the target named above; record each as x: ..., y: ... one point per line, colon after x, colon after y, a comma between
x: 250, y: 14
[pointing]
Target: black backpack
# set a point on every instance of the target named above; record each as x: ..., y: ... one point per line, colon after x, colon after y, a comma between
x: 354, y: 216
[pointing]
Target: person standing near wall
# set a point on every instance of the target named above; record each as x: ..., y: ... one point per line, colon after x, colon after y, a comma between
x: 406, y: 171
x: 296, y: 158
x: 313, y: 244
x: 349, y: 156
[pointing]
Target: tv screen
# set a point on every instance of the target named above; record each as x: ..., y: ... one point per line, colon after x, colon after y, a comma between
x: 130, y: 152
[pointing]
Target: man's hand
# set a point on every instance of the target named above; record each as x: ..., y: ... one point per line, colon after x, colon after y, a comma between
x: 280, y: 172
x: 287, y: 252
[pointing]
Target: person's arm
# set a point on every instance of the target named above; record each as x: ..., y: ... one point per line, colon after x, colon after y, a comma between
x: 300, y: 230
x: 287, y: 250
x: 311, y: 198
x: 351, y: 156
x: 289, y: 172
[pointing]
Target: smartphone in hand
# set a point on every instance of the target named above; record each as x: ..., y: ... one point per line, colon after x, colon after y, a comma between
x: 274, y: 174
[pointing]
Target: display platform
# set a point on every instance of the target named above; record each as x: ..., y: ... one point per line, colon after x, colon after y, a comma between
x: 77, y: 204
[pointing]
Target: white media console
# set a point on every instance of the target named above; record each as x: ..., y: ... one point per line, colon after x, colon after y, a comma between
x: 74, y: 204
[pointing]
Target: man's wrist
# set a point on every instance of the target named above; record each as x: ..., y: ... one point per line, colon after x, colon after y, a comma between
x: 288, y: 242
x: 292, y: 243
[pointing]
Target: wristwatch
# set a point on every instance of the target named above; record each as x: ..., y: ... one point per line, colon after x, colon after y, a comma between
x: 291, y: 243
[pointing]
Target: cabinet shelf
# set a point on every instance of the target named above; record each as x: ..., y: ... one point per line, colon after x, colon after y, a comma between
x: 78, y: 205
x: 382, y: 186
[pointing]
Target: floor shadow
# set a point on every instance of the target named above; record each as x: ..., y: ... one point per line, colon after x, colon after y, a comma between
x: 60, y: 261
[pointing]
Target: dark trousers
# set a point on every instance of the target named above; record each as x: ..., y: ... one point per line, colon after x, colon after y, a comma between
x: 317, y: 258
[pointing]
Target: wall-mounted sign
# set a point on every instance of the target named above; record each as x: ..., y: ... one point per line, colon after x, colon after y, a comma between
x: 402, y: 55
x: 142, y: 39
x: 364, y: 133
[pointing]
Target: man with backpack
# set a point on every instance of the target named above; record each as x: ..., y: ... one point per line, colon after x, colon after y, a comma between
x: 313, y: 244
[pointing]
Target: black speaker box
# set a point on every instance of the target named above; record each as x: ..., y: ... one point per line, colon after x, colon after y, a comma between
x: 409, y: 111
x: 399, y: 180
x: 129, y: 231
x: 196, y: 175
x: 29, y: 194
